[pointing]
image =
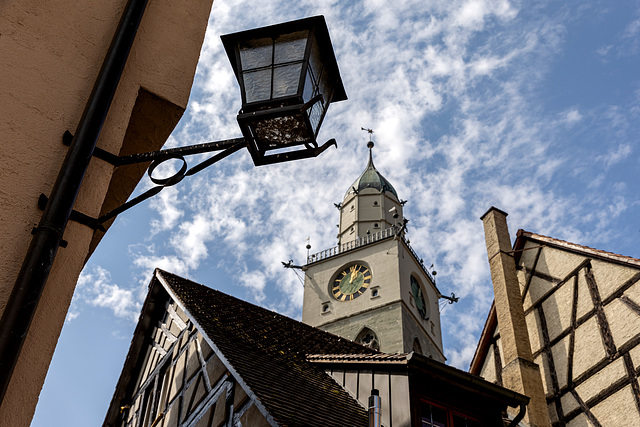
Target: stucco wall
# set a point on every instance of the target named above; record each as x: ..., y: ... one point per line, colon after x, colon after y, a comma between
x: 382, y: 259
x: 50, y: 55
x: 378, y: 308
x: 363, y: 211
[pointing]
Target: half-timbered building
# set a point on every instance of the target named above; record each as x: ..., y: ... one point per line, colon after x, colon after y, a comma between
x: 582, y: 313
x: 200, y: 358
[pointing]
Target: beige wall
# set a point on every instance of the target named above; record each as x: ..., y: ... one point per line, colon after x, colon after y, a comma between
x: 50, y: 55
x: 392, y: 314
x: 361, y: 213
x: 594, y: 358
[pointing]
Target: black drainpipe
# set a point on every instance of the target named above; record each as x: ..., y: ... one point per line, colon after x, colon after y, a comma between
x: 520, y: 416
x: 47, y: 237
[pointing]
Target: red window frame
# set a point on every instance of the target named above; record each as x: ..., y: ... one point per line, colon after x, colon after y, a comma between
x: 449, y: 413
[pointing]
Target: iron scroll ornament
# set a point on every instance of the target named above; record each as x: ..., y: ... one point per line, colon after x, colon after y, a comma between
x: 224, y: 147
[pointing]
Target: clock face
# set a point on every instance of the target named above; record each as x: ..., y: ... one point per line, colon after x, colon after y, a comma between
x: 416, y: 292
x: 351, y: 282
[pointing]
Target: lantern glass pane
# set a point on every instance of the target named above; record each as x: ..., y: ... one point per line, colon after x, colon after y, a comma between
x: 256, y: 53
x: 257, y: 85
x: 286, y: 80
x: 325, y: 87
x: 315, y: 60
x: 310, y: 89
x: 281, y: 131
x: 321, y: 81
x: 315, y: 116
x: 290, y: 47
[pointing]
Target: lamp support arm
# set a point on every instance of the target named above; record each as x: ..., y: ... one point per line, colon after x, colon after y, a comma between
x: 226, y: 148
x: 168, y: 153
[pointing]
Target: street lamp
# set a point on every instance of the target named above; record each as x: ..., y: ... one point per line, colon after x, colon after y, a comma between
x: 288, y: 76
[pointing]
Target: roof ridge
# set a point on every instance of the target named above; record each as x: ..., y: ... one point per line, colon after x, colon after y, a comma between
x: 577, y: 247
x: 266, y: 311
x: 267, y: 349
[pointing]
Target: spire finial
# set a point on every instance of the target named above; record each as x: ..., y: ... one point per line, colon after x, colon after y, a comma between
x: 370, y: 132
x: 370, y: 143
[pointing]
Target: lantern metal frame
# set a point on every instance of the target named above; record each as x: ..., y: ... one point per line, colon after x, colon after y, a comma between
x: 252, y: 112
x: 292, y: 107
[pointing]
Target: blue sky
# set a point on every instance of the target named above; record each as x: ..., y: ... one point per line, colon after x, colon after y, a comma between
x: 530, y: 106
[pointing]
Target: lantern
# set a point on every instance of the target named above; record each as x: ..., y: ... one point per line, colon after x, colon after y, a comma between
x: 288, y: 76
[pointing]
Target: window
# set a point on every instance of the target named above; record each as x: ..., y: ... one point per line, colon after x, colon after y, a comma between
x: 416, y: 346
x: 432, y: 415
x: 375, y: 203
x: 376, y: 225
x: 419, y: 297
x: 368, y: 338
x: 462, y: 421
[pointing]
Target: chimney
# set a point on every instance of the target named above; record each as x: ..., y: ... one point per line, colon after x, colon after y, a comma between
x: 519, y: 373
x: 375, y: 409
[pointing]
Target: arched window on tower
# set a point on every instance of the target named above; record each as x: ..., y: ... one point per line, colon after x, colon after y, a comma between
x: 416, y: 346
x: 368, y: 338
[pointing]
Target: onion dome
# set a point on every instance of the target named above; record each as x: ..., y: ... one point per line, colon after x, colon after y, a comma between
x: 371, y: 178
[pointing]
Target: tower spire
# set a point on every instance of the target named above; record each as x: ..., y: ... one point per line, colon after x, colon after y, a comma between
x: 369, y: 144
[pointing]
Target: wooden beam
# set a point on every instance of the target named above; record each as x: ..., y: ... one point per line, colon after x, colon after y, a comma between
x: 531, y: 274
x: 167, y: 333
x: 553, y: 374
x: 585, y: 410
x: 574, y: 326
x: 633, y: 379
x: 177, y: 320
x: 601, y: 317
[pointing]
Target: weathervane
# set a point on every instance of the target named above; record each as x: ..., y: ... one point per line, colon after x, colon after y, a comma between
x: 370, y: 132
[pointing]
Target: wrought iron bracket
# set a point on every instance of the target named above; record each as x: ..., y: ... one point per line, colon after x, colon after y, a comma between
x: 225, y: 148
x: 76, y: 216
x: 298, y: 155
x: 290, y: 265
x: 453, y: 298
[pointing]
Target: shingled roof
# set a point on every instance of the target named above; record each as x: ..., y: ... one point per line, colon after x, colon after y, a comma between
x: 268, y: 352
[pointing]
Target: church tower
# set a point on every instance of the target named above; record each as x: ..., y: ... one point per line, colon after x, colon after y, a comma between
x: 372, y: 287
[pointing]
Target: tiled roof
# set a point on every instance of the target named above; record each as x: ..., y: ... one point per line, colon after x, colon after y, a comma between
x: 381, y: 357
x: 269, y: 352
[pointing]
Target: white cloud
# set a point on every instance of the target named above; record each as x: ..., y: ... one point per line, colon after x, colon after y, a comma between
x: 620, y: 153
x: 96, y: 288
x: 572, y: 116
x: 452, y: 91
x: 167, y: 205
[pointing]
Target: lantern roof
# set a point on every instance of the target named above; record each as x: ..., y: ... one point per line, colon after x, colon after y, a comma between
x: 318, y: 26
x: 371, y: 178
